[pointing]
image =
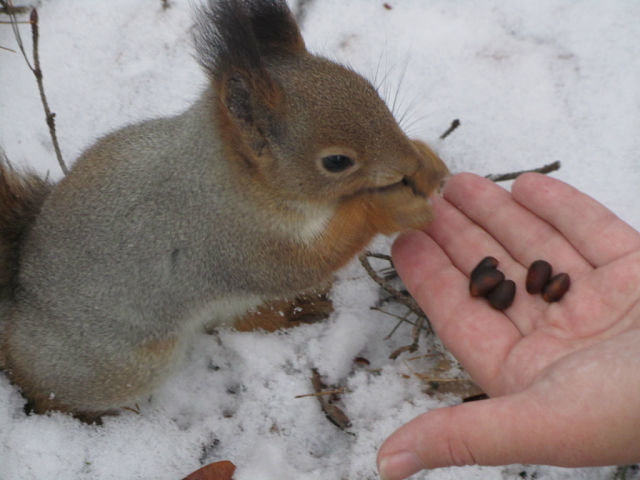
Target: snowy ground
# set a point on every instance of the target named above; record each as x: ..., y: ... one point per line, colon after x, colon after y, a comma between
x: 532, y: 82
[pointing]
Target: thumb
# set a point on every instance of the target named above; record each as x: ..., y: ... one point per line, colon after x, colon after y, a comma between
x: 497, y: 431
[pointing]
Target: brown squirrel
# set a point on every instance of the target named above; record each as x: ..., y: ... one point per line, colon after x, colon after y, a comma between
x: 285, y: 168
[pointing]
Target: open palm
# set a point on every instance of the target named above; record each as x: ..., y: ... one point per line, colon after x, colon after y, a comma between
x: 564, y: 378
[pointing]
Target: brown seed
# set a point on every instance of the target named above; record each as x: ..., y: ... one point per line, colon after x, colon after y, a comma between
x: 538, y: 276
x: 484, y: 280
x: 556, y: 288
x: 502, y: 296
x: 361, y: 361
x: 486, y: 262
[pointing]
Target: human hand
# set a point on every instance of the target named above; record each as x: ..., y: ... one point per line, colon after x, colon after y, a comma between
x: 563, y: 378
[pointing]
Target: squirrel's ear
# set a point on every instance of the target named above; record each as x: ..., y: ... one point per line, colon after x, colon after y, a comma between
x: 235, y: 95
x: 245, y: 34
x: 251, y: 104
x: 236, y: 41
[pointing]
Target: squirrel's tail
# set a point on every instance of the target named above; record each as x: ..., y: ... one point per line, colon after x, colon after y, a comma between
x: 21, y: 197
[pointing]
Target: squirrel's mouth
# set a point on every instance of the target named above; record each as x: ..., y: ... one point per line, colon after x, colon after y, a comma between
x: 409, y: 182
x: 404, y: 182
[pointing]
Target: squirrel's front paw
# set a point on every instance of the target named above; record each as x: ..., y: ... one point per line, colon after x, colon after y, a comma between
x: 433, y: 174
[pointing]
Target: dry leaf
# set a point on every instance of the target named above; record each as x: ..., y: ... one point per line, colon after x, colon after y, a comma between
x: 276, y: 315
x: 214, y: 471
x: 333, y: 412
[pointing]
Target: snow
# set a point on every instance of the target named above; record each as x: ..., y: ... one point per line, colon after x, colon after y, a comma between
x: 531, y: 82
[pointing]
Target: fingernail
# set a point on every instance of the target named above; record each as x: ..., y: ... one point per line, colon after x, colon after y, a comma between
x: 399, y: 465
x: 443, y: 184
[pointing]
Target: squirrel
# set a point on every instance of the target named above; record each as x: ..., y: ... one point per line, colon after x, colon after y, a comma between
x: 280, y: 173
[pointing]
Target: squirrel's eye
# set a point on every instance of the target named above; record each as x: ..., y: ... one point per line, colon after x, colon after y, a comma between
x: 337, y: 163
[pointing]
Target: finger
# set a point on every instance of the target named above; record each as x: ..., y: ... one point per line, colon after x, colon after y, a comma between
x: 600, y: 300
x: 564, y: 420
x: 599, y: 235
x: 523, y: 234
x: 497, y: 431
x: 479, y: 337
x: 466, y: 243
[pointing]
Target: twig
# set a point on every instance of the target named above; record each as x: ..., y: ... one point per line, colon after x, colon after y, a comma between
x: 551, y: 167
x: 454, y: 125
x: 334, y: 413
x: 421, y: 357
x: 37, y: 72
x: 135, y: 409
x: 11, y: 11
x: 401, y: 320
x: 50, y: 117
x: 7, y: 8
x: 412, y: 347
x: 381, y: 256
x: 335, y: 391
x: 429, y: 378
x: 401, y: 297
x: 395, y: 327
x: 397, y: 295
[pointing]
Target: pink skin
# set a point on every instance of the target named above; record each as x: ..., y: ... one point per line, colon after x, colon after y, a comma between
x: 563, y: 377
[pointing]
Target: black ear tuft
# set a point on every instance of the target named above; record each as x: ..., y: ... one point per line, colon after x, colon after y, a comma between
x: 236, y: 34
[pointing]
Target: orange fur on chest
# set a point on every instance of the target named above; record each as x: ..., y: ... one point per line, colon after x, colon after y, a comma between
x: 348, y: 232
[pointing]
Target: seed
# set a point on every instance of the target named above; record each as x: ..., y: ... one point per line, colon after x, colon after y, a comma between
x: 361, y: 362
x: 484, y: 280
x: 486, y: 262
x: 538, y: 276
x: 556, y: 288
x: 502, y: 296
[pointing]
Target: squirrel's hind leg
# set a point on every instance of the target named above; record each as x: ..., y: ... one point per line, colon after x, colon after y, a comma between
x: 73, y: 381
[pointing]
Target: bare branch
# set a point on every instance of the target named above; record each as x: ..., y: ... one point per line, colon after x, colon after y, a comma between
x: 37, y: 72
x: 454, y: 125
x: 397, y: 295
x: 400, y: 297
x: 7, y: 8
x: 11, y: 11
x: 551, y: 167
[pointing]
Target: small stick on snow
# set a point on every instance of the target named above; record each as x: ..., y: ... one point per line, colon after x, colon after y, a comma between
x: 334, y: 413
x: 502, y: 177
x: 454, y: 125
x: 335, y: 391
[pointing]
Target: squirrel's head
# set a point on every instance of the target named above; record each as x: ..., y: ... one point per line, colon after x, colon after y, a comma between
x: 308, y: 127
